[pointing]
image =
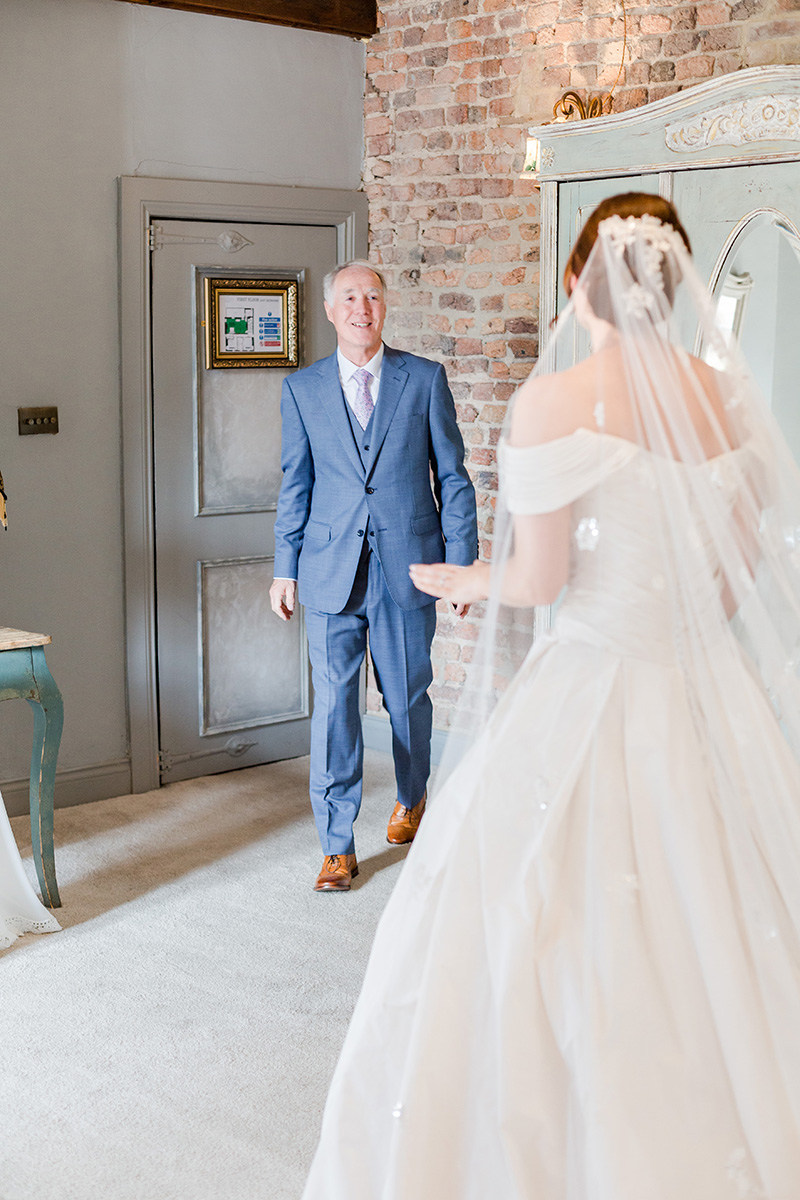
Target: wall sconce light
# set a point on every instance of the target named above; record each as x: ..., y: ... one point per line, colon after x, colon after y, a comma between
x: 536, y: 157
x: 531, y: 164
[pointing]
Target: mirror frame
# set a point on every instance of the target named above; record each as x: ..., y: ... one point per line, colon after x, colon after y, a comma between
x: 759, y: 217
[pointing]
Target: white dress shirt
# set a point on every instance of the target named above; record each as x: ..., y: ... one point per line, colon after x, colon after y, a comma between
x: 347, y: 370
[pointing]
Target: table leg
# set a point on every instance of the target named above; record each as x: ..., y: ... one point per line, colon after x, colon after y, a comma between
x: 48, y: 719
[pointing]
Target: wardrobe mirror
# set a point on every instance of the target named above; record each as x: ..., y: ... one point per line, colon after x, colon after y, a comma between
x: 757, y: 290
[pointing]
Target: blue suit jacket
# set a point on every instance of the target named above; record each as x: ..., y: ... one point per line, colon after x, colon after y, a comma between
x: 413, y: 487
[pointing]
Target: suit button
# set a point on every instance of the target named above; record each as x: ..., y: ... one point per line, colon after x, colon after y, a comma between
x: 366, y: 447
x: 360, y: 532
x: 371, y: 534
x: 369, y: 491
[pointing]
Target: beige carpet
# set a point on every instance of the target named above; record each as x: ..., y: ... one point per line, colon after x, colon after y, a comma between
x: 176, y: 1040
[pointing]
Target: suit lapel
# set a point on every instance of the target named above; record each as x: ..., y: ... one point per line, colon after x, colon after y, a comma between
x: 333, y: 402
x: 393, y: 380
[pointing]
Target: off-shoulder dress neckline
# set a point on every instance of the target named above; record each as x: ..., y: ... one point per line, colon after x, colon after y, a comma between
x: 635, y: 447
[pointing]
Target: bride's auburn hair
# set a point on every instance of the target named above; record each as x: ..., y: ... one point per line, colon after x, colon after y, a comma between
x: 630, y: 204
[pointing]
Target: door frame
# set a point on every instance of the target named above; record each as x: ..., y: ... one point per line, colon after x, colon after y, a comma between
x: 142, y: 201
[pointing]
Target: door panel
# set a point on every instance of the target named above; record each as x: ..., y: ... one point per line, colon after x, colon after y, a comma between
x: 239, y: 465
x: 253, y: 666
x: 233, y: 679
x: 713, y: 201
x: 576, y: 201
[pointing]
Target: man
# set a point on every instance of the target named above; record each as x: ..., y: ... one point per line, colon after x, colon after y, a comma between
x: 373, y: 480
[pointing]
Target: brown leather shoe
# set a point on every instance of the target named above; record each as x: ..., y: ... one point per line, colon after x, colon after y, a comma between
x: 404, y: 822
x: 337, y: 872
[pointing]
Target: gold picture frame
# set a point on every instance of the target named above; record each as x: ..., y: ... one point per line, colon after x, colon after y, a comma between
x: 251, y: 322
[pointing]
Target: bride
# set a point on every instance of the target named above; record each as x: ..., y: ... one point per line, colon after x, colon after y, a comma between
x: 586, y: 984
x: 20, y: 909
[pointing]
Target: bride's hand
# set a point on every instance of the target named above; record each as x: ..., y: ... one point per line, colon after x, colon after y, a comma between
x: 459, y: 585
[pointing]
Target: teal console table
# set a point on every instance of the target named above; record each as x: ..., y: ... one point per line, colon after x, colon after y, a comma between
x: 25, y: 675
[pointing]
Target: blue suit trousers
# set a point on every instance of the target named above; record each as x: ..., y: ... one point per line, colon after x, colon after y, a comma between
x: 400, y: 648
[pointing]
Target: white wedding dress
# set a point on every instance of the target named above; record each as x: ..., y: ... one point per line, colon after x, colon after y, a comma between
x: 586, y: 985
x: 20, y: 909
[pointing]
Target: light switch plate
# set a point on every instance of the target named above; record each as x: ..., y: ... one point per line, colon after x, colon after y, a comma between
x: 38, y: 420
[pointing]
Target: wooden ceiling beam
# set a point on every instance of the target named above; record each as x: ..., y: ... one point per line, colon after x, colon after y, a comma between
x: 351, y: 18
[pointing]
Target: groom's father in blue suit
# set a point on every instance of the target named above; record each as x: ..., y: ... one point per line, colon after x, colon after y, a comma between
x: 373, y: 480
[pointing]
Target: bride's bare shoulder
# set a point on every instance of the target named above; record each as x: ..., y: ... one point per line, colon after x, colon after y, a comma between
x: 547, y: 407
x: 716, y: 388
x: 708, y: 375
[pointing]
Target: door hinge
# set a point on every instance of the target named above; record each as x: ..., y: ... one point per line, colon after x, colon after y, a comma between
x: 230, y: 240
x: 167, y: 760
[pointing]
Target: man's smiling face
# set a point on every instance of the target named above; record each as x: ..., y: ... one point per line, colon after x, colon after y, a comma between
x: 357, y: 312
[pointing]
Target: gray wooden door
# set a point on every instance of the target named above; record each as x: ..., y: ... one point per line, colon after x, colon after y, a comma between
x: 233, y: 681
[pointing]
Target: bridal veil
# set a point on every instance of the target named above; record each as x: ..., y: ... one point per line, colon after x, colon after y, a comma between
x: 586, y: 984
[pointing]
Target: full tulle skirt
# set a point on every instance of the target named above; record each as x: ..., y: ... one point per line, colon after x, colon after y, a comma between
x: 586, y: 984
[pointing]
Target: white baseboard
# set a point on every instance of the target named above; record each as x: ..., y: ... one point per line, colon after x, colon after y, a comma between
x: 378, y: 736
x: 99, y: 782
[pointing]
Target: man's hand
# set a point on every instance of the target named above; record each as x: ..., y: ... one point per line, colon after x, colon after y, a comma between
x: 282, y: 597
x: 461, y: 610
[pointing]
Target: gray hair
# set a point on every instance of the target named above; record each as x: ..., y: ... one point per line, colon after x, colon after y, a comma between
x: 330, y: 279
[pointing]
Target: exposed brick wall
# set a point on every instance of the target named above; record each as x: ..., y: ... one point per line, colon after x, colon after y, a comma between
x: 670, y: 46
x: 451, y: 87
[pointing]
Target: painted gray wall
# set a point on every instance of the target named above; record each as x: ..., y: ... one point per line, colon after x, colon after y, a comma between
x: 91, y: 90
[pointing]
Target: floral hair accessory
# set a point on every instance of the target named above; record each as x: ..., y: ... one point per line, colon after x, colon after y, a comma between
x: 653, y: 235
